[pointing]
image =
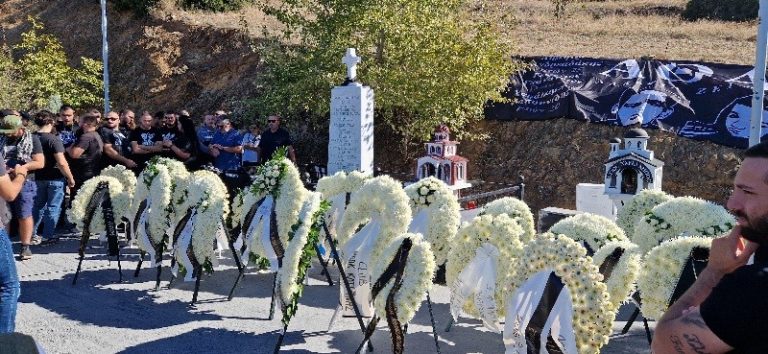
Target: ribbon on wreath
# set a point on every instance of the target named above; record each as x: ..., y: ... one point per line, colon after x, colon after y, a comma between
x: 478, y: 278
x: 420, y: 223
x: 694, y: 265
x: 339, y: 204
x: 143, y: 235
x: 182, y: 237
x: 245, y: 228
x: 107, y: 211
x: 540, y: 317
x: 356, y: 255
x: 96, y: 199
x: 262, y: 216
x: 270, y: 241
x: 393, y: 273
x: 606, y: 268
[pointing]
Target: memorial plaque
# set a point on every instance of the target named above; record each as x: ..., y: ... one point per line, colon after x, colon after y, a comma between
x: 350, y: 144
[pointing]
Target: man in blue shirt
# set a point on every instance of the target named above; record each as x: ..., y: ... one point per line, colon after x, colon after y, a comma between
x: 226, y: 147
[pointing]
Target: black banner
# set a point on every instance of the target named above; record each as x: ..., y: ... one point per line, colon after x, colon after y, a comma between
x: 701, y: 101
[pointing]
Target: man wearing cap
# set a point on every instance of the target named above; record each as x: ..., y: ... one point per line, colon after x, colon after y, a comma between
x: 11, y: 182
x: 21, y: 147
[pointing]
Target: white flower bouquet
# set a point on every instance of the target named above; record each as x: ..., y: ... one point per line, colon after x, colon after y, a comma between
x: 76, y: 214
x: 593, y: 312
x: 683, y: 216
x: 661, y: 272
x: 637, y: 207
x: 416, y: 281
x: 593, y: 230
x: 501, y: 231
x: 621, y: 283
x: 518, y: 210
x: 432, y: 196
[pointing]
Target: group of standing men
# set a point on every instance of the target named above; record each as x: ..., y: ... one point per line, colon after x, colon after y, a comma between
x: 61, y: 152
x: 49, y: 156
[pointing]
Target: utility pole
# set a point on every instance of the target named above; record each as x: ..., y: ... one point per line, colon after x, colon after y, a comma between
x: 758, y: 94
x: 105, y: 54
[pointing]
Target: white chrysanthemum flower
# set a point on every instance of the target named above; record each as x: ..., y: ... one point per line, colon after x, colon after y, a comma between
x: 517, y: 209
x: 76, y: 213
x: 660, y: 274
x: 593, y: 230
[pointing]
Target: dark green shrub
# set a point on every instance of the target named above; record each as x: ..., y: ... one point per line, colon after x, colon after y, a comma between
x: 141, y: 7
x: 726, y: 10
x: 215, y: 5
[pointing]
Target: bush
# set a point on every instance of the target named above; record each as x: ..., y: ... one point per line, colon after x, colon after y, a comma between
x: 726, y: 10
x: 141, y: 7
x: 215, y: 5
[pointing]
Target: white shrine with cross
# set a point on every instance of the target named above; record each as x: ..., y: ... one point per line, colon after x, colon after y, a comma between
x: 442, y: 162
x: 350, y: 141
x: 632, y: 168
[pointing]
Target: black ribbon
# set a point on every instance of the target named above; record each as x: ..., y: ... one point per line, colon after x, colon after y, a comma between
x: 181, y: 225
x: 274, y: 238
x: 394, y: 269
x: 137, y: 217
x: 694, y: 265
x: 606, y: 269
x: 539, y: 318
x: 590, y: 251
x: 109, y: 223
x: 90, y: 210
x: 347, y: 198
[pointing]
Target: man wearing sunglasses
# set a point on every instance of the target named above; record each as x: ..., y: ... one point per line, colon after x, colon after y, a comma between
x: 116, y: 144
x: 273, y: 138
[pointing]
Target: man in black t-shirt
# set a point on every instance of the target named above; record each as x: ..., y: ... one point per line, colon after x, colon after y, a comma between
x: 726, y: 309
x: 145, y: 142
x: 273, y: 138
x: 86, y: 152
x: 175, y: 144
x: 116, y: 145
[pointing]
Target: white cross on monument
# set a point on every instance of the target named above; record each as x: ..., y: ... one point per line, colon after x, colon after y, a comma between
x: 351, y: 60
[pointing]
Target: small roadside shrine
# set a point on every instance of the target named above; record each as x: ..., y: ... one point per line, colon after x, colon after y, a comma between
x: 442, y: 162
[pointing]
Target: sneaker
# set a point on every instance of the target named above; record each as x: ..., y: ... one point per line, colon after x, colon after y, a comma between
x: 26, y: 253
x: 49, y: 242
x: 36, y: 240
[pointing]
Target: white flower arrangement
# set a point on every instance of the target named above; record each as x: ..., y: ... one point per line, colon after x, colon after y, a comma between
x: 335, y: 189
x: 155, y: 187
x: 637, y: 207
x: 416, y: 281
x: 124, y: 200
x: 503, y: 232
x: 593, y: 312
x: 681, y: 216
x: 341, y: 183
x: 381, y: 197
x: 208, y: 194
x: 621, y: 283
x: 238, y: 208
x: 179, y: 177
x: 594, y: 230
x: 661, y: 272
x: 516, y: 209
x: 124, y: 175
x: 76, y: 214
x: 435, y: 198
x: 279, y: 179
x: 288, y: 281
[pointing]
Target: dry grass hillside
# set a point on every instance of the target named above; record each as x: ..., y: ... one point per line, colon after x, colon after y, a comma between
x: 203, y: 61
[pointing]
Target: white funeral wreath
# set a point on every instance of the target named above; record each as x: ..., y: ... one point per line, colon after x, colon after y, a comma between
x: 433, y: 197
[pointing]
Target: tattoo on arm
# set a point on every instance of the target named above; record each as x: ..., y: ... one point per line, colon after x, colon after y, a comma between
x: 695, y: 344
x: 678, y: 344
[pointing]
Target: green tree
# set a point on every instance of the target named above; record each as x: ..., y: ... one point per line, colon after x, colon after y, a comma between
x: 44, y: 68
x: 429, y: 61
x: 13, y: 90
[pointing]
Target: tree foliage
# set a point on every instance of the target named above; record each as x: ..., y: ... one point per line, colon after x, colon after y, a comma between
x: 13, y: 90
x: 46, y: 73
x: 429, y: 61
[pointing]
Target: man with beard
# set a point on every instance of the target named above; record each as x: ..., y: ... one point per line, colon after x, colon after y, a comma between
x: 86, y: 152
x: 175, y: 144
x: 116, y: 144
x: 145, y: 142
x: 726, y: 309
